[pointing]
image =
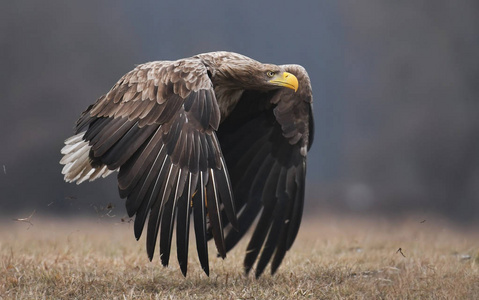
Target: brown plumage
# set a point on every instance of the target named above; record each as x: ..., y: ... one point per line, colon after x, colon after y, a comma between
x: 217, y: 135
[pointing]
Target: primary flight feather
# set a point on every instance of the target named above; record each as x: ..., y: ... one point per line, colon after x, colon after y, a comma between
x: 219, y: 136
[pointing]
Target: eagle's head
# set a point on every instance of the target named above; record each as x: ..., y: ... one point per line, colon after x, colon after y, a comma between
x: 241, y: 72
x: 275, y: 77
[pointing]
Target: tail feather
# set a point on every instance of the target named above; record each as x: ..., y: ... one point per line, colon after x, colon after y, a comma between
x: 78, y: 163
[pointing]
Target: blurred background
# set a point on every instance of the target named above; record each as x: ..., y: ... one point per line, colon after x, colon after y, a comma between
x: 396, y: 93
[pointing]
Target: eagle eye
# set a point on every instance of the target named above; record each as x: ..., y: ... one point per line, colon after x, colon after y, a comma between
x: 270, y: 73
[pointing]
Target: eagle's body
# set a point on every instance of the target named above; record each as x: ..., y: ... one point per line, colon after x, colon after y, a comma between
x: 218, y: 135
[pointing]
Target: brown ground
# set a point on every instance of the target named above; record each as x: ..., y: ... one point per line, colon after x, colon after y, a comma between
x: 332, y: 258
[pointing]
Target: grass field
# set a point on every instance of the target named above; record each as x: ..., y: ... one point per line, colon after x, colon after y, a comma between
x: 332, y: 258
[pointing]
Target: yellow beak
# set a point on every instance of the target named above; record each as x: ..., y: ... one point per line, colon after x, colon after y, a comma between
x: 287, y: 80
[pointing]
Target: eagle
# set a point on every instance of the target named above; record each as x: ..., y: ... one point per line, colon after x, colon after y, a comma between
x: 218, y: 138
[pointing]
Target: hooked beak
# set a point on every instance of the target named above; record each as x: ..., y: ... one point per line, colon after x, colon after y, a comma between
x: 286, y: 80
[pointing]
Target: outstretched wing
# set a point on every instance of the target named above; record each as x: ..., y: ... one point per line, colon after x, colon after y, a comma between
x: 157, y: 126
x: 265, y: 141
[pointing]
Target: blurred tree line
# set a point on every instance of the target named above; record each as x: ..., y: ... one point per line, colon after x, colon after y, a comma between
x: 395, y: 84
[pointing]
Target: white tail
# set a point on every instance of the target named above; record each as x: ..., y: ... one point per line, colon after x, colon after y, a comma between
x: 77, y: 163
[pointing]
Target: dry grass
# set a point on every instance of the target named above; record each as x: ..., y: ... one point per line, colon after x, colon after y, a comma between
x: 331, y: 259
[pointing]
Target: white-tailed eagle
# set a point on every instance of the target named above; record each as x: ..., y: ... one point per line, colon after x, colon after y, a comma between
x: 219, y: 136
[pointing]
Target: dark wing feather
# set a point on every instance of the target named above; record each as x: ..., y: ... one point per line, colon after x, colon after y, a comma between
x: 168, y: 215
x: 157, y: 126
x: 183, y: 223
x: 199, y: 210
x: 265, y: 141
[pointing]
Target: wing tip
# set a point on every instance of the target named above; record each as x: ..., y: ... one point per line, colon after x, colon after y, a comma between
x: 184, y: 269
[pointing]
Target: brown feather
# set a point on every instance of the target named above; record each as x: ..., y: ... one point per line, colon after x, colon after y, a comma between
x: 176, y: 127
